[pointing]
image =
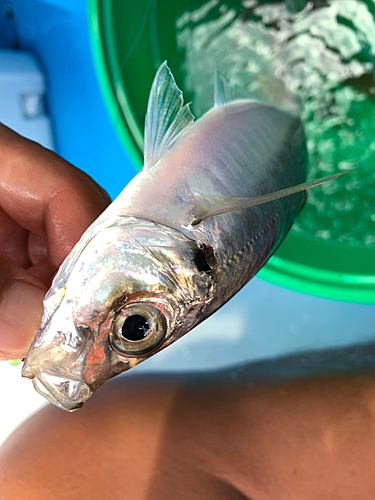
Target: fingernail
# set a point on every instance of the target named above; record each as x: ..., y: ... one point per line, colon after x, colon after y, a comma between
x: 20, y: 314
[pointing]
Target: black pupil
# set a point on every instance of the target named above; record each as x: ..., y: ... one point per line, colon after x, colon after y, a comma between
x: 135, y: 328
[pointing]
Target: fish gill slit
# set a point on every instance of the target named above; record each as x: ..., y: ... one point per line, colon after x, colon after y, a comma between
x: 204, y: 259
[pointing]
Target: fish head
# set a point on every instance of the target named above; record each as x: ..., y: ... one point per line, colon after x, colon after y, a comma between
x: 135, y: 288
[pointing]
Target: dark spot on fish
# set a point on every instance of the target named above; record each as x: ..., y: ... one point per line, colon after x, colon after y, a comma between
x: 204, y: 259
x: 135, y: 328
x: 200, y: 261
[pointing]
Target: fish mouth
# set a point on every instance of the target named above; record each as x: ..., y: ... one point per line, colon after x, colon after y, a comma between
x: 67, y: 393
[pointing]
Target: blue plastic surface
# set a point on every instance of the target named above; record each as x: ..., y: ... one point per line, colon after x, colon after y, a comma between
x: 22, y: 92
x: 56, y: 32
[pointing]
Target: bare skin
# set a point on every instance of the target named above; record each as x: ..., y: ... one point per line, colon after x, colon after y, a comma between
x: 168, y: 437
x: 232, y: 435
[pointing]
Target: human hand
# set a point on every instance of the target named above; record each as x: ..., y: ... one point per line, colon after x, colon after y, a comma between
x: 45, y: 206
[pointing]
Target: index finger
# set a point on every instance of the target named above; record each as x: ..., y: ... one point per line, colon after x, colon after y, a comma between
x: 45, y: 194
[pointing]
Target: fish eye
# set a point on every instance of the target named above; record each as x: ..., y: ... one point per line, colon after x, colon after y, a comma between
x: 138, y: 328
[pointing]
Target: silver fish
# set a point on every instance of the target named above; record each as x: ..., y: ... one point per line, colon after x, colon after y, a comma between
x: 192, y: 228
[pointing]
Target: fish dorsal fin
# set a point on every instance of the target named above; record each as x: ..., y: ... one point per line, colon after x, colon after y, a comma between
x: 224, y: 92
x: 166, y: 118
x: 217, y: 206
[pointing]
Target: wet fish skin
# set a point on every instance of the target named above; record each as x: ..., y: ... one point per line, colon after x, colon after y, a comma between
x: 75, y: 345
x: 253, y: 149
x: 144, y: 258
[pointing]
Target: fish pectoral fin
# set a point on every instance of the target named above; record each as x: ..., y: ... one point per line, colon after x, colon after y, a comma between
x: 166, y: 118
x: 224, y: 92
x: 212, y: 207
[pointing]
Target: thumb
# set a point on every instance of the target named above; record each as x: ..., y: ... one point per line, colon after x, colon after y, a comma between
x: 21, y: 308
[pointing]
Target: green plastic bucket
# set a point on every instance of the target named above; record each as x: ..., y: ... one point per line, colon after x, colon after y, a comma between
x: 316, y: 55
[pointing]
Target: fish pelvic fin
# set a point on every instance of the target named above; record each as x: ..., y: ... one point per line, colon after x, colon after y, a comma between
x: 225, y: 93
x: 217, y: 206
x: 167, y: 119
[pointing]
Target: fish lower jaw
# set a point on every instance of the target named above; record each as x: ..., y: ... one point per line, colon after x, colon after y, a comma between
x: 69, y: 395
